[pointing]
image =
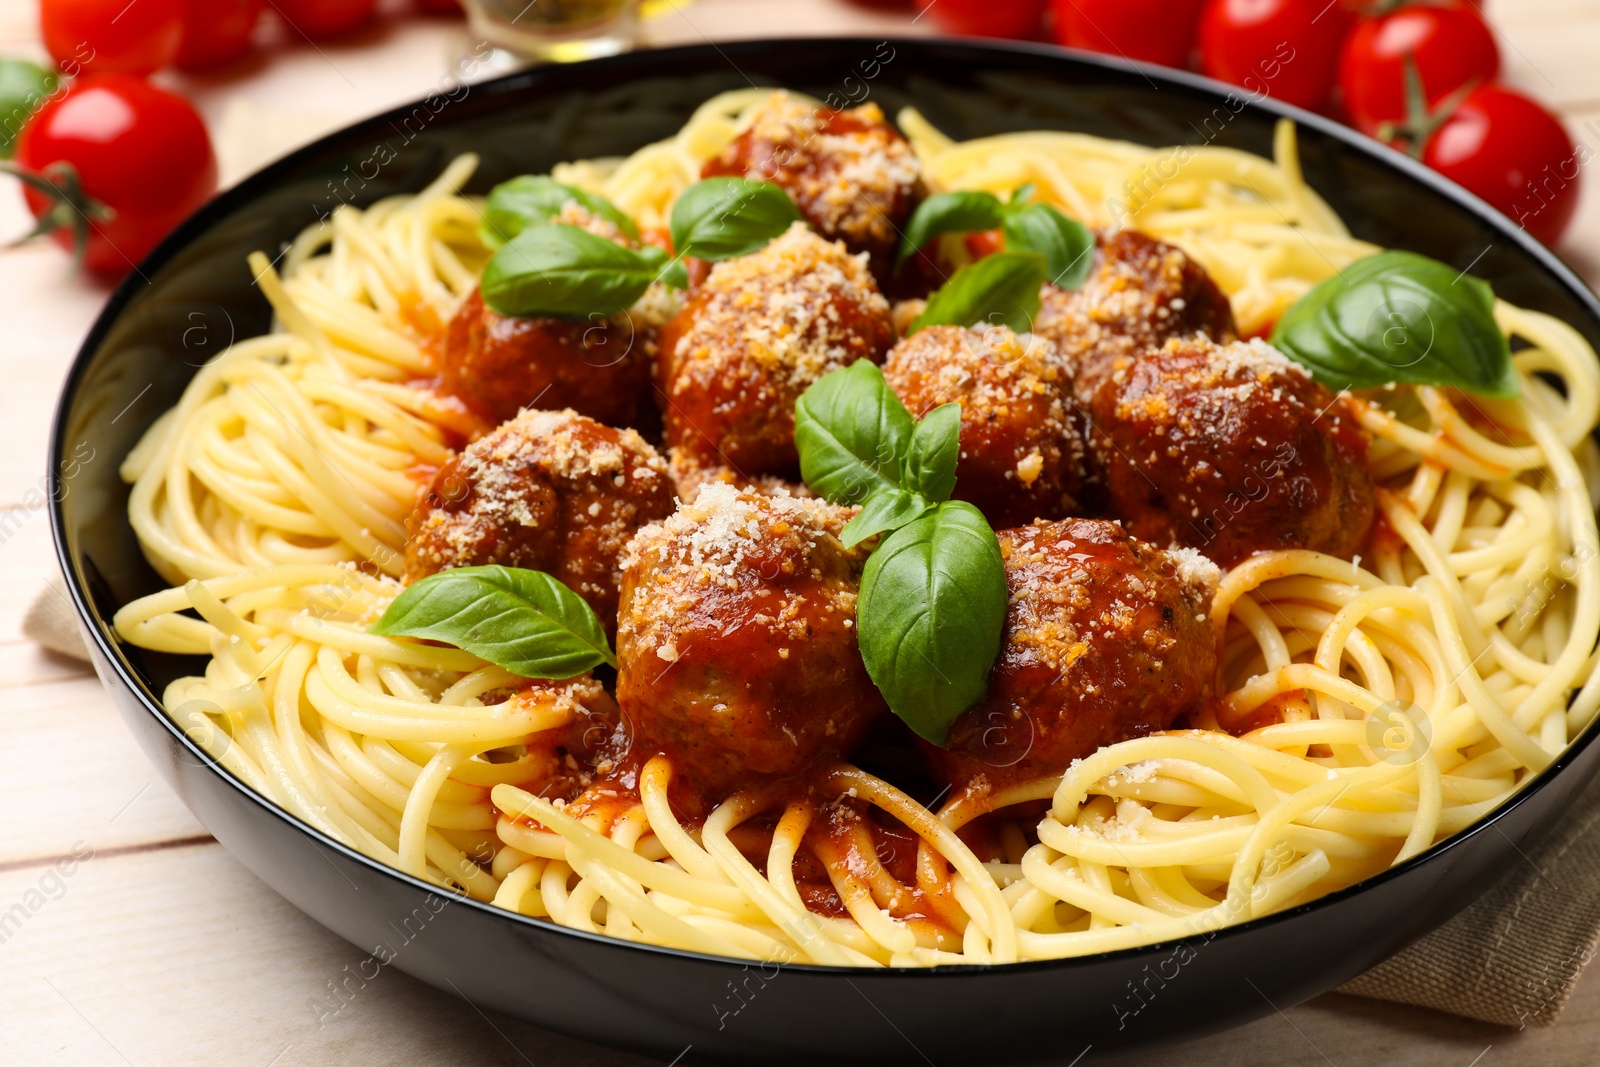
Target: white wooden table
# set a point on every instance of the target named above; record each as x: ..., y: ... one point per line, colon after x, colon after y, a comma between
x: 158, y: 948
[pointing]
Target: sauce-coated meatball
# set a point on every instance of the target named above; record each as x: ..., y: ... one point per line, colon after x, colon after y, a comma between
x: 552, y: 491
x: 1022, y: 454
x: 854, y: 178
x: 736, y: 642
x: 498, y: 365
x: 1230, y: 449
x: 751, y: 339
x: 600, y: 367
x: 1142, y: 292
x: 1106, y: 638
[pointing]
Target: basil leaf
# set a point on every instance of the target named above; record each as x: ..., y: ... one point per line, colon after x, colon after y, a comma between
x: 722, y: 218
x: 669, y: 269
x: 1002, y: 289
x: 851, y: 430
x: 658, y: 258
x: 886, y: 509
x: 1022, y: 194
x: 522, y: 620
x: 1399, y: 317
x: 24, y: 87
x: 561, y: 270
x: 533, y: 200
x: 931, y: 611
x: 933, y: 595
x: 956, y: 212
x: 930, y: 465
x: 1066, y: 244
x: 676, y: 275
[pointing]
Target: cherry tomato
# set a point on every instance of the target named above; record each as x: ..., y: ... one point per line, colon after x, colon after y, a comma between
x: 1449, y: 41
x: 325, y: 18
x: 1512, y: 152
x: 216, y: 32
x: 111, y: 36
x: 1151, y: 31
x: 981, y: 243
x: 985, y: 18
x: 438, y: 7
x: 140, y: 152
x: 1285, y: 49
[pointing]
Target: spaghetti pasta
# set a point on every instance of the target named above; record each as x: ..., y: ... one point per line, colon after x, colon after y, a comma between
x: 1372, y: 708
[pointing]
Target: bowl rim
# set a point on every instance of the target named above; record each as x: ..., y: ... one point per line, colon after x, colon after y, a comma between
x: 692, y: 57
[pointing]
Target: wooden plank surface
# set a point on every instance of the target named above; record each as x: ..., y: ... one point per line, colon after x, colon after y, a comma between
x: 134, y: 938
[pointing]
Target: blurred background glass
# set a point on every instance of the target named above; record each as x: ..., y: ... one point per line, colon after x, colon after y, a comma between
x: 561, y: 31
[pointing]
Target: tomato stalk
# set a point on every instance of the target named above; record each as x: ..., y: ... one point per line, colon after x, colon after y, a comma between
x: 1421, y: 121
x: 1379, y: 8
x: 70, y: 207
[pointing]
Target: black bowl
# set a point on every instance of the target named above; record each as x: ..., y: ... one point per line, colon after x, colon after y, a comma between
x: 194, y: 294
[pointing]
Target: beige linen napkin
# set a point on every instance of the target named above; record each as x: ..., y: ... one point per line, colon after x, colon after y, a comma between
x: 1513, y: 957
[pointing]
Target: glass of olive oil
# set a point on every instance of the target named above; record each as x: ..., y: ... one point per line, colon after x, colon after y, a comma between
x: 556, y: 31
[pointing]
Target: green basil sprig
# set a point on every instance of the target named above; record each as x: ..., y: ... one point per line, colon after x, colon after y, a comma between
x: 931, y: 615
x: 961, y: 211
x: 930, y: 465
x: 535, y: 199
x: 859, y: 445
x: 851, y: 430
x: 933, y: 596
x: 1002, y: 289
x: 564, y: 271
x: 522, y: 620
x: 723, y: 218
x: 1399, y: 317
x: 1066, y: 244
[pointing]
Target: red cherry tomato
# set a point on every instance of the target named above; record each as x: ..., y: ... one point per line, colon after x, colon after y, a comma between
x: 1449, y: 41
x: 1285, y: 49
x: 1516, y: 155
x: 438, y: 7
x: 985, y: 18
x: 216, y: 32
x: 325, y: 18
x: 111, y: 36
x: 139, y: 151
x: 1150, y: 31
x: 981, y: 243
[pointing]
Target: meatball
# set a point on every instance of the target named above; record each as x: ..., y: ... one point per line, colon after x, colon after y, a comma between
x: 854, y: 178
x: 1230, y: 449
x: 1142, y: 292
x: 552, y: 491
x: 1106, y: 638
x: 1022, y: 453
x: 498, y: 365
x: 751, y: 339
x: 600, y: 367
x: 736, y: 642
